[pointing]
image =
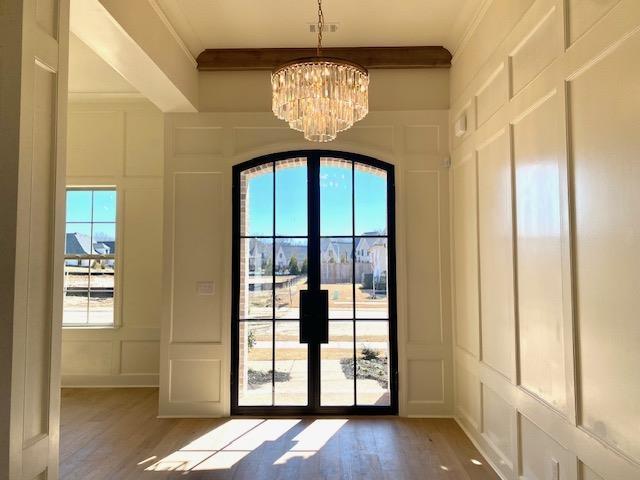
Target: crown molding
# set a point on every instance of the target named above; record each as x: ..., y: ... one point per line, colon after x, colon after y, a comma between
x: 470, y: 30
x: 167, y: 23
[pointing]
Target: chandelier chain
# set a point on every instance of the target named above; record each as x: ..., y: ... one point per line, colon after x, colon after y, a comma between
x: 320, y: 27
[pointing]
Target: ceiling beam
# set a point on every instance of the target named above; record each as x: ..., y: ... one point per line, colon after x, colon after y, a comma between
x: 133, y: 40
x: 234, y: 59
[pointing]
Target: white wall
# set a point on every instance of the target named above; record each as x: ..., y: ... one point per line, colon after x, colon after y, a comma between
x: 545, y: 201
x: 121, y: 144
x: 200, y: 151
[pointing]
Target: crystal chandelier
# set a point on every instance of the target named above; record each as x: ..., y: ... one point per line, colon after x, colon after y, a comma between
x: 320, y: 96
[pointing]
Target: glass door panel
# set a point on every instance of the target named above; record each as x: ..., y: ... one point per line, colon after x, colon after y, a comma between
x: 256, y: 214
x: 370, y: 198
x: 255, y: 369
x: 372, y: 295
x: 372, y: 381
x: 256, y: 281
x: 336, y: 275
x: 291, y: 197
x: 336, y: 366
x: 336, y: 197
x: 291, y: 275
x: 291, y: 357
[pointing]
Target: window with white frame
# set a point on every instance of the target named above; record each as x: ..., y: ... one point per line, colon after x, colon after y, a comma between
x: 90, y: 257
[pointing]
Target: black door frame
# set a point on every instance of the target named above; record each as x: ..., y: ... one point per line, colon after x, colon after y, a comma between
x: 313, y: 256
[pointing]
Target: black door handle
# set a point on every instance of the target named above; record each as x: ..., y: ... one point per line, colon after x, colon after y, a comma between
x: 314, y: 316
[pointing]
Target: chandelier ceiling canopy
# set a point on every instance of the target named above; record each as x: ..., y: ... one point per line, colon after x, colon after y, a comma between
x: 320, y: 96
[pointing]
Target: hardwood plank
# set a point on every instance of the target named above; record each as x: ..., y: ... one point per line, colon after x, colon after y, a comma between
x: 234, y: 59
x: 114, y: 434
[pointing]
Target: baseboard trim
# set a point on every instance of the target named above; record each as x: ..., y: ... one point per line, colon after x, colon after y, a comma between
x: 480, y: 449
x: 198, y: 416
x: 106, y: 385
x: 427, y: 416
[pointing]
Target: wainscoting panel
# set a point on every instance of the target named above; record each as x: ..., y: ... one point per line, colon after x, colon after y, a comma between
x: 200, y: 196
x: 495, y: 229
x: 607, y: 231
x: 537, y: 147
x: 465, y: 263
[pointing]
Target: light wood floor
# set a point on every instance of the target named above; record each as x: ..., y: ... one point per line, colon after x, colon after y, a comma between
x: 114, y: 434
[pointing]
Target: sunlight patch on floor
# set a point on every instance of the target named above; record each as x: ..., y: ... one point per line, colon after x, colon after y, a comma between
x: 317, y: 434
x: 226, y: 445
x: 293, y: 456
x: 221, y: 436
x: 221, y: 461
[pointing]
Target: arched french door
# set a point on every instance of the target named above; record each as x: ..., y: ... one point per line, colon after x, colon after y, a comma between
x: 314, y: 297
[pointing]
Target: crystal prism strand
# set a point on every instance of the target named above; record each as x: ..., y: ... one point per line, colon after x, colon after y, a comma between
x: 295, y: 95
x: 320, y: 98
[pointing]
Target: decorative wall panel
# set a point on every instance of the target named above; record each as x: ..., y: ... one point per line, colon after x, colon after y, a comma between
x: 538, y: 49
x: 465, y: 261
x: 537, y: 152
x: 495, y: 228
x: 423, y: 245
x: 606, y: 167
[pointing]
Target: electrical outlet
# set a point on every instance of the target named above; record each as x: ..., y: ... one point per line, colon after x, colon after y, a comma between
x: 555, y: 469
x: 205, y: 288
x: 326, y: 28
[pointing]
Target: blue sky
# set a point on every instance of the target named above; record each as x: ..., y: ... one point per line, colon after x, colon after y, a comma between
x: 85, y: 205
x: 335, y: 202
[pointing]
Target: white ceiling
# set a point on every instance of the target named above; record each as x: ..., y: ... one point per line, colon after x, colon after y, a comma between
x: 88, y: 73
x: 285, y: 23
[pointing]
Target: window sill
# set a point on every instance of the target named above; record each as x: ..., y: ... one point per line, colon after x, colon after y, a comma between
x: 90, y: 327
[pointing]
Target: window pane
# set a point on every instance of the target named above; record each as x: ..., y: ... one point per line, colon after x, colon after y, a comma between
x: 372, y: 344
x: 256, y: 278
x: 291, y: 276
x: 336, y: 215
x: 103, y: 232
x: 291, y: 365
x: 78, y: 239
x: 104, y: 238
x: 372, y: 299
x: 291, y: 197
x: 79, y: 205
x: 336, y: 275
x: 101, y: 292
x: 255, y: 367
x: 256, y: 201
x: 76, y: 292
x: 104, y: 206
x: 370, y: 200
x: 336, y: 365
